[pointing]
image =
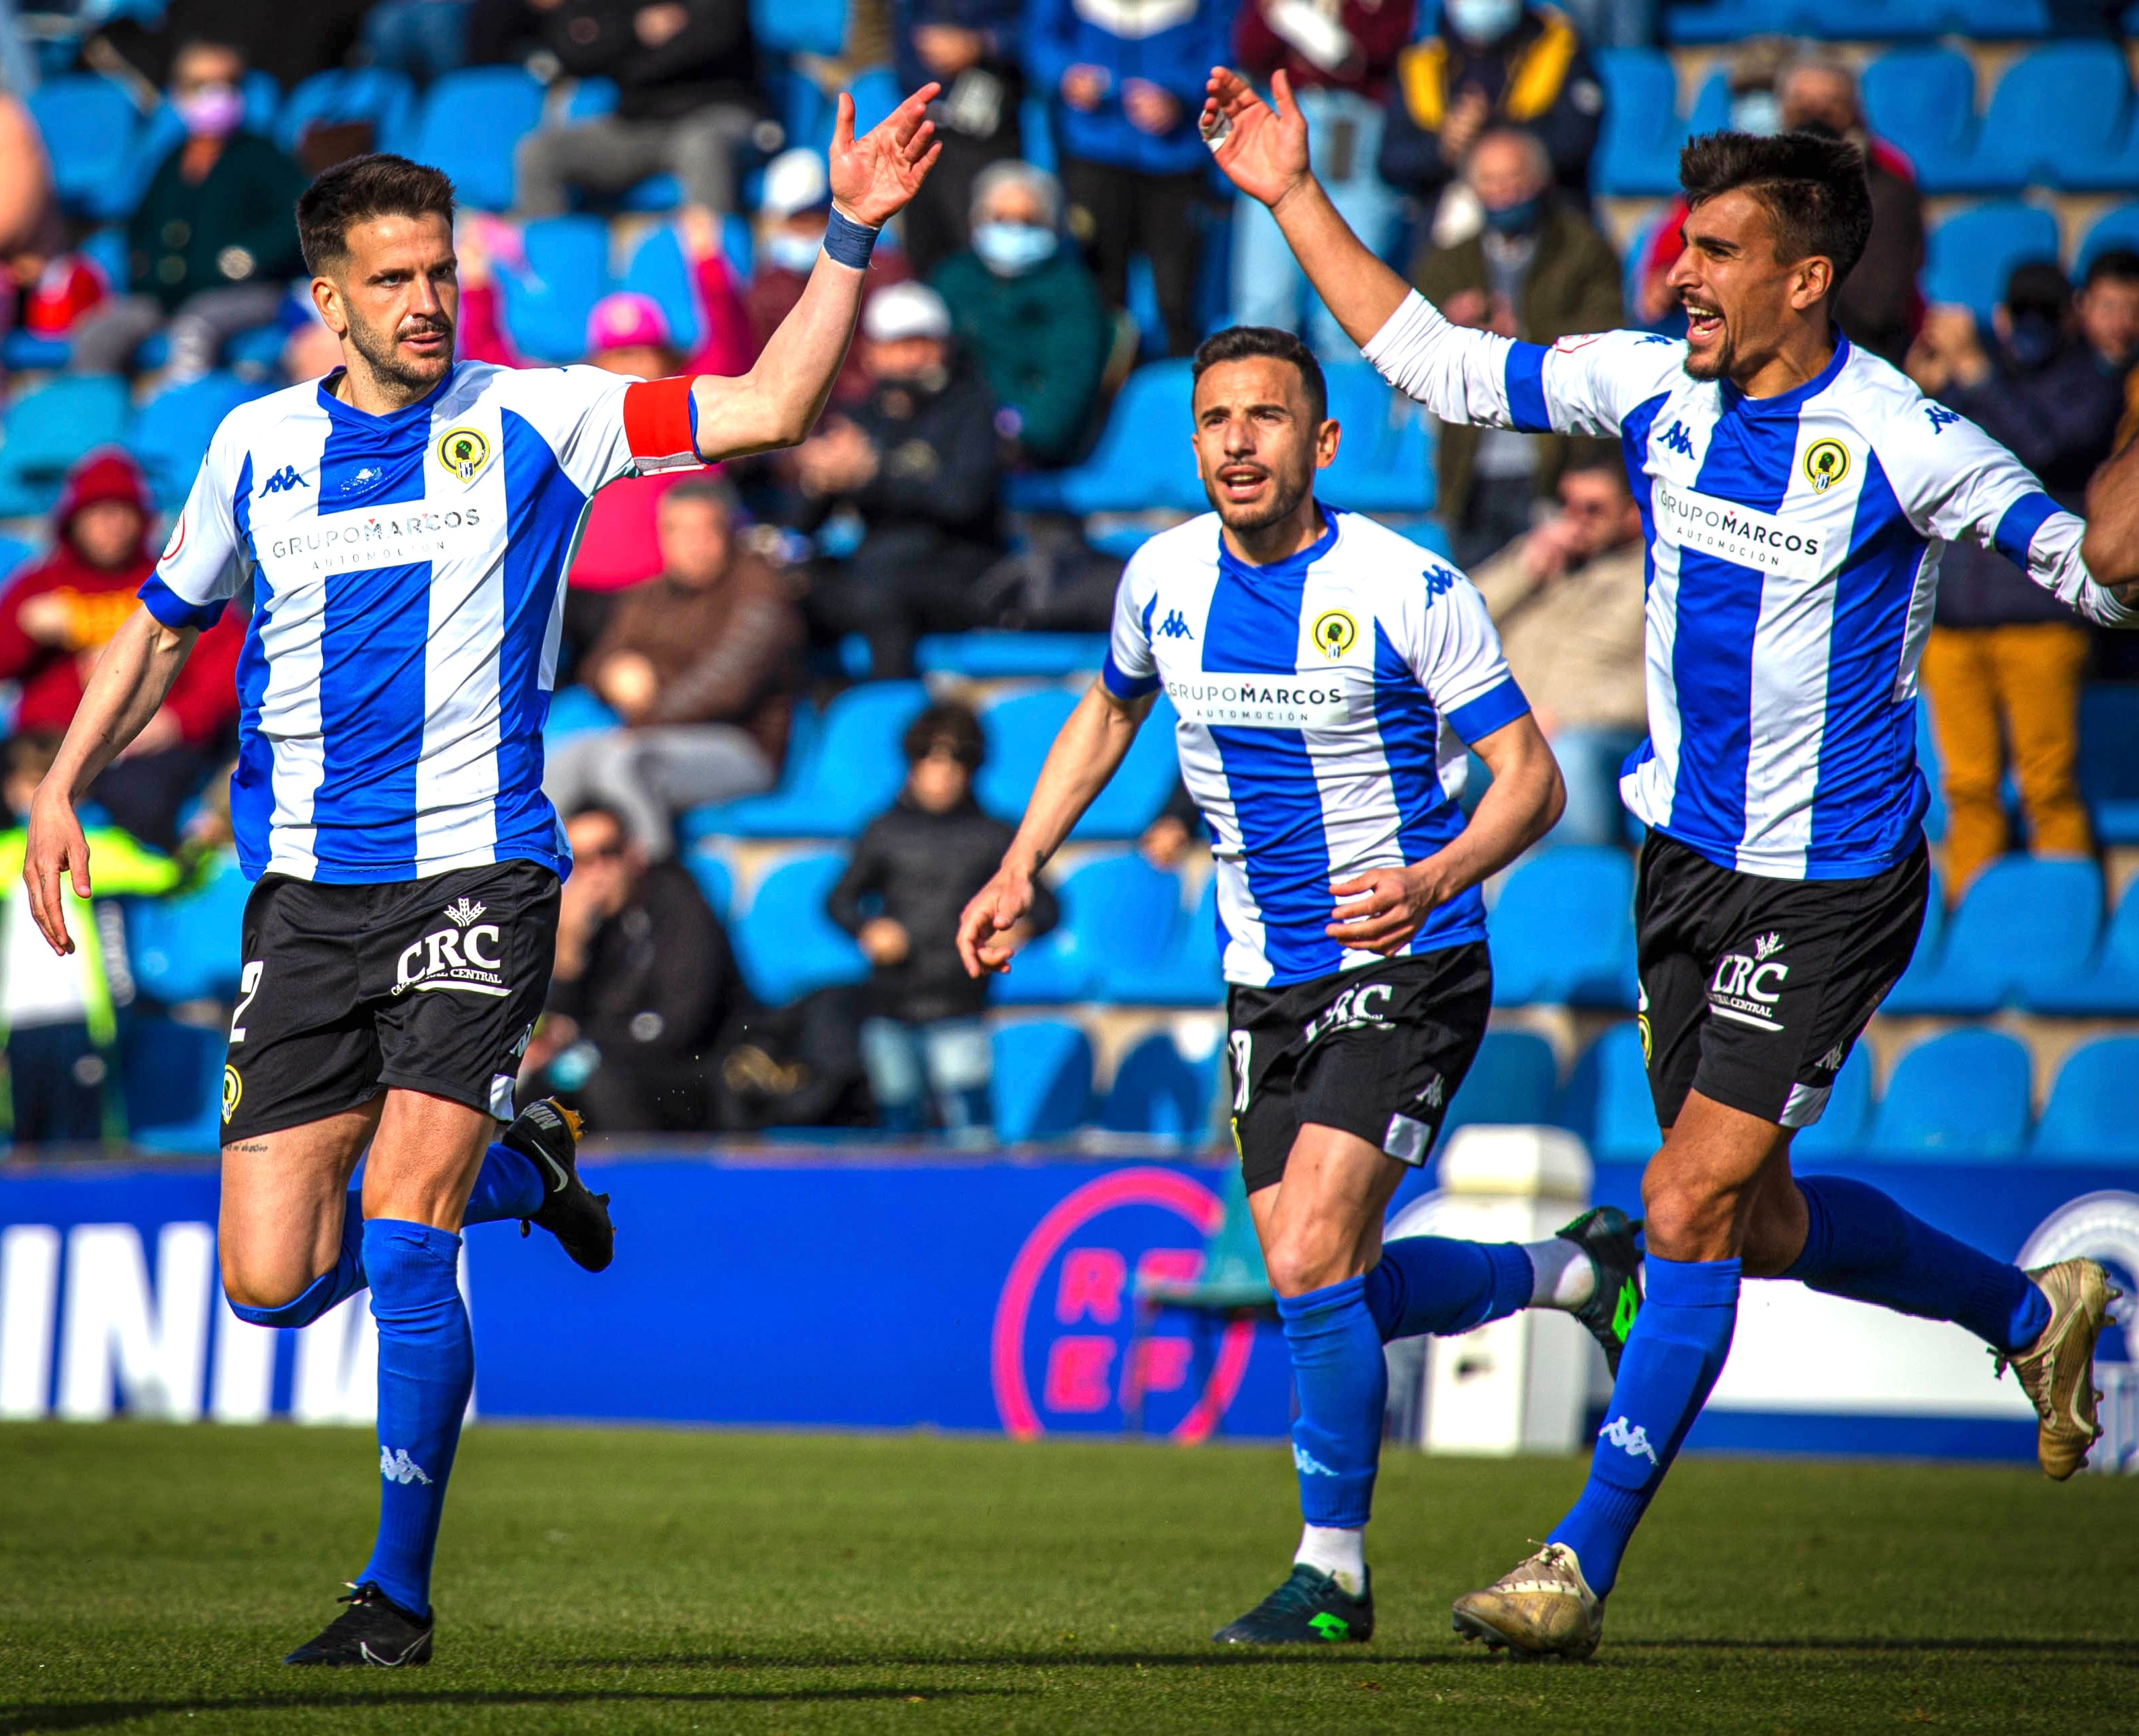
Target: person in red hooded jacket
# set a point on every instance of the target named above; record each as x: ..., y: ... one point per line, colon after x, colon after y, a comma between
x: 56, y: 616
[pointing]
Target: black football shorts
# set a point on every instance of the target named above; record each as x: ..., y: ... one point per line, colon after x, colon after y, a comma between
x: 430, y: 986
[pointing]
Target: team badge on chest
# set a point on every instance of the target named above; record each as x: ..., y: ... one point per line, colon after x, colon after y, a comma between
x: 1334, y: 631
x: 464, y: 452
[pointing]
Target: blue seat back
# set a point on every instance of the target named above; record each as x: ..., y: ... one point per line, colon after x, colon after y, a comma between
x: 785, y: 943
x: 1143, y: 458
x: 376, y: 94
x: 1638, y: 145
x: 1841, y: 1129
x: 1385, y: 447
x: 1922, y: 101
x: 1042, y: 1085
x: 657, y: 269
x: 471, y: 122
x: 2026, y: 921
x: 90, y: 125
x: 48, y: 429
x: 1970, y: 255
x: 2116, y: 227
x: 1563, y: 929
x: 546, y: 307
x: 1607, y: 1100
x: 171, y: 1076
x: 2089, y: 1117
x: 1958, y: 1097
x: 858, y: 767
x: 2053, y: 104
x: 186, y: 947
x: 1158, y: 1091
x: 171, y: 433
x: 799, y: 26
x: 1111, y: 904
x: 715, y: 878
x: 1512, y: 1082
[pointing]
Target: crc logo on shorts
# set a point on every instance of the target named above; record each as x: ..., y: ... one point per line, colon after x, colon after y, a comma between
x: 1357, y: 1009
x: 233, y: 1088
x: 467, y: 955
x: 1747, y: 984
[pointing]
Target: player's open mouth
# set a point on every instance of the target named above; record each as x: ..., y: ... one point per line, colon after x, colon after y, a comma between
x: 1241, y: 479
x: 426, y: 341
x: 1702, y: 322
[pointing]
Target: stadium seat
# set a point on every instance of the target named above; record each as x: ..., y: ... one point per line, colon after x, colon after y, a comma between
x: 1385, y: 452
x: 346, y: 95
x: 716, y: 881
x: 90, y: 125
x: 171, y: 1076
x: 1184, y: 973
x: 574, y: 710
x: 2108, y: 769
x: 1607, y: 1100
x: 1638, y: 146
x: 835, y: 787
x: 785, y: 943
x: 48, y: 429
x: 1972, y: 253
x: 1961, y: 1097
x: 1158, y: 1091
x: 472, y: 119
x: 1141, y: 462
x: 657, y: 269
x: 1042, y: 1086
x: 2025, y: 921
x: 2116, y: 228
x: 1923, y: 101
x: 1710, y: 112
x: 1021, y: 729
x: 186, y: 947
x: 1724, y: 22
x: 2058, y: 111
x: 2107, y: 985
x: 546, y: 307
x: 1512, y: 1082
x: 2089, y: 1117
x: 997, y: 656
x: 171, y: 434
x: 1109, y: 905
x: 13, y: 553
x: 1841, y: 1129
x: 1564, y: 929
x: 799, y: 26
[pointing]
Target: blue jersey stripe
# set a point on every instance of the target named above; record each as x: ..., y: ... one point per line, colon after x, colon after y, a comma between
x: 371, y: 723
x: 1524, y: 379
x: 1495, y: 709
x: 1862, y: 816
x: 373, y: 460
x: 1634, y: 451
x: 1426, y: 817
x: 543, y: 514
x: 173, y: 610
x: 253, y: 783
x: 2016, y: 530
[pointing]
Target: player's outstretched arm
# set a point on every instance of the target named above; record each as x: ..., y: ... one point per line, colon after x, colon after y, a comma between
x: 1379, y: 911
x: 778, y: 401
x: 2110, y: 547
x: 1091, y: 744
x: 126, y: 689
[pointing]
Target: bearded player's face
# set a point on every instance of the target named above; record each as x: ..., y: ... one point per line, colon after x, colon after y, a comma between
x: 1258, y: 442
x: 394, y: 298
x: 1743, y: 301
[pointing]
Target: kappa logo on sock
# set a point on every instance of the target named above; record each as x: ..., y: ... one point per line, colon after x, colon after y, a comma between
x: 1307, y: 1465
x: 1633, y: 1442
x: 396, y: 1466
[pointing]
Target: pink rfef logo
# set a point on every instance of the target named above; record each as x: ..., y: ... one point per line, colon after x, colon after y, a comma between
x: 1066, y: 1317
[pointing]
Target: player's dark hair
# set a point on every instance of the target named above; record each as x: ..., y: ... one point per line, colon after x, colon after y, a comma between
x: 949, y: 725
x: 1238, y: 343
x: 601, y: 810
x: 1811, y: 184
x: 2037, y: 287
x: 380, y: 184
x: 2113, y: 264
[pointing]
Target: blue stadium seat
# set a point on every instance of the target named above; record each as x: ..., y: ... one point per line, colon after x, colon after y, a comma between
x: 186, y: 947
x: 170, y: 435
x: 1637, y: 147
x: 1841, y: 1129
x: 2107, y: 985
x: 1042, y: 1086
x: 2116, y: 227
x: 1143, y: 459
x: 799, y: 26
x: 2088, y: 1119
x: 657, y: 268
x: 1158, y: 1091
x: 90, y: 125
x: 1185, y: 972
x: 1879, y: 21
x: 1710, y: 112
x: 1564, y: 929
x: 2025, y: 922
x: 1021, y: 730
x: 343, y: 95
x: 574, y: 710
x: 48, y: 429
x: 1385, y: 450
x: 14, y: 552
x: 1512, y: 1081
x: 1961, y: 1096
x: 2057, y: 109
x: 471, y: 120
x: 1922, y: 101
x: 835, y: 787
x: 1607, y: 1100
x: 785, y: 943
x: 546, y: 307
x: 2108, y: 769
x: 1110, y: 905
x: 995, y: 656
x: 1971, y: 254
x: 716, y: 881
x: 171, y: 1075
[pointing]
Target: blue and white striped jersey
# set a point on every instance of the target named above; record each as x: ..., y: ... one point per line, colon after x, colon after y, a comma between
x: 1323, y: 703
x: 407, y: 574
x: 1794, y: 547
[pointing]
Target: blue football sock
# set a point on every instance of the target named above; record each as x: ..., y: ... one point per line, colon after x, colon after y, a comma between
x: 509, y: 1186
x: 1672, y: 1358
x: 1427, y: 1283
x: 343, y: 1279
x: 426, y: 1371
x: 1859, y: 1243
x: 1343, y: 1385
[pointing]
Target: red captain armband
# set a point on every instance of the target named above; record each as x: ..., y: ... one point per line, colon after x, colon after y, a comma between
x: 661, y: 425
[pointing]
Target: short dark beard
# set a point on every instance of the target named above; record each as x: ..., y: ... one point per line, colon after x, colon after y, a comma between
x: 385, y: 359
x: 1718, y: 367
x: 1284, y: 501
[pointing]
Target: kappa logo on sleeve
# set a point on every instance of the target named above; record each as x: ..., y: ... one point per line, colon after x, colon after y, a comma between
x: 282, y: 481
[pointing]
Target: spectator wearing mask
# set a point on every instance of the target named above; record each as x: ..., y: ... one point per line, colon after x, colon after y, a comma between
x: 699, y: 664
x: 210, y: 247
x: 971, y: 48
x: 1337, y: 57
x: 1538, y: 270
x: 686, y: 74
x: 2107, y: 306
x: 1493, y: 62
x: 1569, y: 601
x: 1025, y: 308
x: 644, y: 983
x: 56, y: 616
x: 926, y: 1044
x: 1129, y: 76
x: 2003, y: 664
x: 918, y: 461
x: 796, y: 194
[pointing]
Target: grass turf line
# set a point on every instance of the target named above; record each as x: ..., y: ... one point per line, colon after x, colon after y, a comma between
x: 150, y: 1576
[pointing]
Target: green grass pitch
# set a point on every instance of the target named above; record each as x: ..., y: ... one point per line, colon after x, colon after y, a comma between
x: 149, y: 1578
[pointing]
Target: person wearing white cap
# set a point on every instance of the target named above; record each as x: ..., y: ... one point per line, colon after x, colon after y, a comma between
x: 918, y: 461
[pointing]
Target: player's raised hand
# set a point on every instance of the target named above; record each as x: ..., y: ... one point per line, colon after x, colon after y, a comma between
x: 1262, y: 149
x: 987, y: 930
x: 873, y: 176
x: 55, y: 849
x: 1381, y: 910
